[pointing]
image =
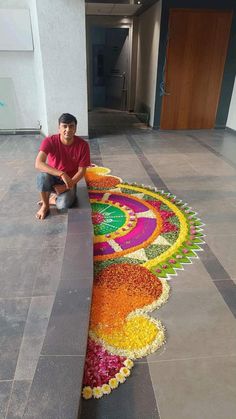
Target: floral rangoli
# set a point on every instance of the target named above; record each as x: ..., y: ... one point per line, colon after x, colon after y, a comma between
x: 142, y: 236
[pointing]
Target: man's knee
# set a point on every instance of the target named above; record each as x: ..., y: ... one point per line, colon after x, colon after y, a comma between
x: 44, y: 182
x: 66, y: 200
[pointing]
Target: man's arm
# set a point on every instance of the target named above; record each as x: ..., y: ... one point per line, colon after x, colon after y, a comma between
x: 79, y: 175
x: 76, y: 178
x: 40, y: 164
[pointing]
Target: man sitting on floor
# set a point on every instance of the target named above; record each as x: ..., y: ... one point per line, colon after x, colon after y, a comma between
x: 62, y: 162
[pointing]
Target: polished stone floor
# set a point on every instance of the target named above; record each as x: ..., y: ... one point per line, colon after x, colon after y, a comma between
x: 193, y: 376
x: 30, y: 265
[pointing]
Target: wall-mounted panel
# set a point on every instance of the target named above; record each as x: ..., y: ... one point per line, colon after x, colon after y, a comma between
x: 7, y: 104
x: 15, y: 30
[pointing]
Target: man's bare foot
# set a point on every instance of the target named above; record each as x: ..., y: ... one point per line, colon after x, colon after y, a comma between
x: 42, y: 212
x: 52, y: 200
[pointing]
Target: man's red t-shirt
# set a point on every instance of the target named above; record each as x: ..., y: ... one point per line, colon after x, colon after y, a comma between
x: 67, y: 158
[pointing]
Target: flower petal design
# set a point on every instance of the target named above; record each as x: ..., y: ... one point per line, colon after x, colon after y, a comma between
x: 141, y: 236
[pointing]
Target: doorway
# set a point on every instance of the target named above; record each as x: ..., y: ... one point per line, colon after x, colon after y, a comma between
x: 195, y: 60
x: 110, y: 67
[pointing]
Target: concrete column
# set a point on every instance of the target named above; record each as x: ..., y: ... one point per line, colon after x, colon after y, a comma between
x: 38, y: 70
x: 62, y: 39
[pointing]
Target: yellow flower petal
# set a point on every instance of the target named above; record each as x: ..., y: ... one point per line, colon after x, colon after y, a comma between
x: 125, y: 371
x: 120, y: 377
x: 87, y: 393
x: 128, y: 363
x: 97, y: 392
x: 113, y: 383
x: 106, y: 389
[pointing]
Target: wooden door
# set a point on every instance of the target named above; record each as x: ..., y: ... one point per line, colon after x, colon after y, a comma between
x: 196, y: 53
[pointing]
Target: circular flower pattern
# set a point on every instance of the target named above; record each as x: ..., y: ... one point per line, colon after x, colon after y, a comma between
x: 111, y: 217
x: 141, y: 236
x: 129, y: 224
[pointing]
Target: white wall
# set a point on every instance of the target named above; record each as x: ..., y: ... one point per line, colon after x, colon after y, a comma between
x: 38, y: 69
x: 51, y: 79
x: 61, y: 26
x: 147, y: 59
x: 19, y: 67
x: 231, y: 121
x: 15, y: 30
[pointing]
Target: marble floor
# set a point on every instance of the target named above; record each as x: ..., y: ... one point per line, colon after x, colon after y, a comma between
x: 30, y: 264
x: 193, y: 376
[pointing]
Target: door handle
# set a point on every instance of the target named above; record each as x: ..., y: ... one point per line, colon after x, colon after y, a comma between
x: 163, y: 91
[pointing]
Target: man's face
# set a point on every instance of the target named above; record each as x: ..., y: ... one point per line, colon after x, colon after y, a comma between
x: 67, y: 131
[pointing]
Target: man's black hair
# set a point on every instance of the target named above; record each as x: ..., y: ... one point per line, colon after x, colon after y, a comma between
x: 67, y: 118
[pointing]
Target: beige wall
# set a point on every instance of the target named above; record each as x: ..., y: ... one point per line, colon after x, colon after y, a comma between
x: 147, y: 58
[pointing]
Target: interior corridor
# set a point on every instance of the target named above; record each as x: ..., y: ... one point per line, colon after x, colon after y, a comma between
x: 193, y: 375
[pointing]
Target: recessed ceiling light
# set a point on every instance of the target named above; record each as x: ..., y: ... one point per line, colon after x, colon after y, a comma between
x: 139, y: 2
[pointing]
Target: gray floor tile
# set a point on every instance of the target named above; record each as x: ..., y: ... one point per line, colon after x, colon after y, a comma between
x: 197, y: 388
x: 224, y: 247
x: 17, y: 272
x: 3, y: 192
x: 208, y: 163
x: 166, y: 166
x: 132, y: 400
x: 212, y: 264
x: 18, y: 203
x: 55, y: 389
x: 210, y: 206
x: 48, y: 274
x: 199, y: 167
x: 25, y: 185
x: 227, y: 289
x: 13, y: 314
x: 122, y: 168
x: 66, y: 333
x: 78, y: 258
x: 80, y: 227
x: 120, y: 147
x: 34, y: 334
x: 27, y: 234
x: 55, y: 233
x: 193, y: 277
x: 9, y: 170
x: 20, y: 146
x: 5, y: 391
x: 82, y: 196
x: 18, y: 399
x: 198, y: 323
x: 218, y: 228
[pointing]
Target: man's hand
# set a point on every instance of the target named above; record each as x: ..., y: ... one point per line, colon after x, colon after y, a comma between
x: 68, y: 181
x: 68, y: 184
x: 60, y: 189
